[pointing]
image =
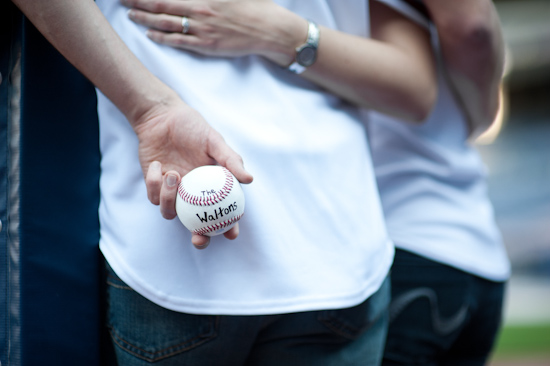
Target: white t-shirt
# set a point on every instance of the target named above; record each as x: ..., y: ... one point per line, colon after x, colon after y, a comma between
x: 312, y: 236
x: 432, y: 185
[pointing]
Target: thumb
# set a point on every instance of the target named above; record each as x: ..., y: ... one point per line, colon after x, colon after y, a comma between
x: 227, y: 157
x: 168, y: 194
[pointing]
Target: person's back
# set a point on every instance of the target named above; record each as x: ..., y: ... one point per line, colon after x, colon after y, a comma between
x: 433, y: 189
x: 303, y: 243
x: 317, y: 227
x: 304, y: 220
x: 450, y: 264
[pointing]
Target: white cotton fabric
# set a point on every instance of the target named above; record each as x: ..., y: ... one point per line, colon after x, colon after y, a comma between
x: 432, y: 184
x: 312, y: 236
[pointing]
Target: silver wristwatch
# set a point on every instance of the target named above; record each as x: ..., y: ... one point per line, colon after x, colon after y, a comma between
x: 306, y: 54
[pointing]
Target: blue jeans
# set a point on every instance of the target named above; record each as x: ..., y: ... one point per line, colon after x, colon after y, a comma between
x: 440, y: 315
x: 144, y: 333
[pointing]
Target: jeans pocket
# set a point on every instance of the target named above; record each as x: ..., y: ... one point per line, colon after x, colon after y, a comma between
x: 151, y: 332
x: 350, y: 323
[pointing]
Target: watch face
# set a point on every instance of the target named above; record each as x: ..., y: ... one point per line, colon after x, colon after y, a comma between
x: 306, y: 56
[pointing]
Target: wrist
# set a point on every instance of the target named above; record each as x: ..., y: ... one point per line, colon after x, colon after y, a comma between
x: 289, y: 32
x: 306, y: 53
x: 148, y: 102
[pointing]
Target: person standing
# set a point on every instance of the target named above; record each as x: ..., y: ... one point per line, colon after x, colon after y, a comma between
x: 305, y: 280
x: 450, y: 267
x: 430, y: 177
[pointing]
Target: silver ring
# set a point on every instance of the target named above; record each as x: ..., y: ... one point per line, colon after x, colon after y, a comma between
x: 185, y: 25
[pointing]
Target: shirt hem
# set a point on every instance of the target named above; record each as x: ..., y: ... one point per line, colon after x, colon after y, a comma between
x: 338, y: 301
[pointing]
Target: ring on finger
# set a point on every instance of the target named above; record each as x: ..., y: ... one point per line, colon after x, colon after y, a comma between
x: 185, y: 25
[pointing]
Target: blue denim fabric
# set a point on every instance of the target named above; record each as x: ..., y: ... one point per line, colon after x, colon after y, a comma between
x: 144, y: 334
x: 440, y: 315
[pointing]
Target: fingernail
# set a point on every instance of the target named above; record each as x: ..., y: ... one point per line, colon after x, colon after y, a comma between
x: 203, y: 246
x: 130, y: 13
x: 151, y: 35
x: 171, y: 180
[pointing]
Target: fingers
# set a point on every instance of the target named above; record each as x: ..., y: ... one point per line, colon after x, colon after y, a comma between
x: 227, y: 157
x: 159, y: 6
x: 162, y: 189
x: 232, y: 233
x: 200, y: 241
x: 153, y: 182
x: 168, y: 194
x: 161, y: 22
x: 167, y: 30
x: 184, y: 41
x: 236, y: 166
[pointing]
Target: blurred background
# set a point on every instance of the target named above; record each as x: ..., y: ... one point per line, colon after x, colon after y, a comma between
x: 517, y: 154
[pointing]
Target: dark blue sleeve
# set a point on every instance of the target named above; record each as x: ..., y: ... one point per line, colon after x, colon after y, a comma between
x: 50, y: 299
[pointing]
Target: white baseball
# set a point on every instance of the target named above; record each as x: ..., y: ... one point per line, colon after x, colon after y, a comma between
x: 210, y: 200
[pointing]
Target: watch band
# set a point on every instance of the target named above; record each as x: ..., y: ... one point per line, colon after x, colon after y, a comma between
x: 306, y: 54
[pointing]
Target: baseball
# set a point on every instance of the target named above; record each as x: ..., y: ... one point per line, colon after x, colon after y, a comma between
x: 210, y: 200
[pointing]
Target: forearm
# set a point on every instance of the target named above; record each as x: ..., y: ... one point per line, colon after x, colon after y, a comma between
x: 173, y: 138
x: 375, y: 75
x: 473, y: 50
x: 82, y: 34
x: 393, y: 72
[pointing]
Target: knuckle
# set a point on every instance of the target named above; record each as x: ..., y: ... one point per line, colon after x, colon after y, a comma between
x: 153, y: 189
x: 165, y: 24
x: 157, y: 6
x: 179, y: 41
x: 211, y: 43
x: 167, y: 208
x: 153, y: 196
x: 151, y: 182
x: 209, y: 29
x: 203, y: 10
x: 167, y: 214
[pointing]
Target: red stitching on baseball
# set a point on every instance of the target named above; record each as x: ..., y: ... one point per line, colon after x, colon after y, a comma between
x: 212, y: 199
x: 216, y: 227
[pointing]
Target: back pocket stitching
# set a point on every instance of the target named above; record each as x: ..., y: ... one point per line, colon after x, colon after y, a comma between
x: 166, y: 352
x: 339, y: 327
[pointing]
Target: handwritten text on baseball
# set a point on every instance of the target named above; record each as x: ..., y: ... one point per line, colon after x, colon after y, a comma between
x: 218, y: 213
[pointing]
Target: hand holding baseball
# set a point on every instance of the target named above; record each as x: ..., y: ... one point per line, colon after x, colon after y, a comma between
x: 173, y: 140
x: 210, y: 200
